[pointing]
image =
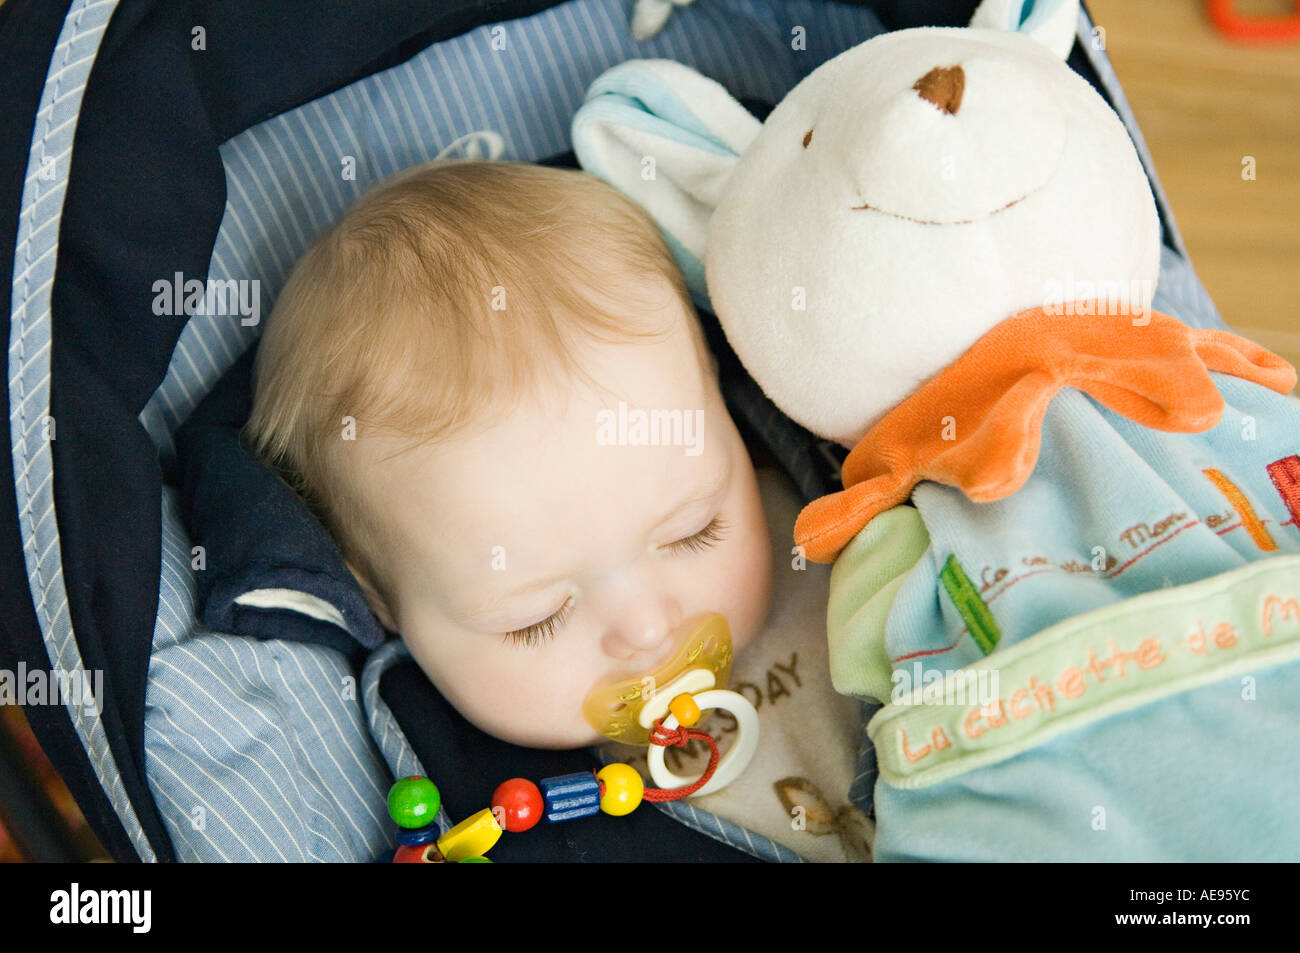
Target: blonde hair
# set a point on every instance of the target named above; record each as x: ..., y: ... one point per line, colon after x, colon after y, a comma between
x: 466, y: 276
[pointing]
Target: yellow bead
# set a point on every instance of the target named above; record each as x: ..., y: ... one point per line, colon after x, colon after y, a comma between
x: 623, y: 789
x: 684, y: 707
x: 472, y: 837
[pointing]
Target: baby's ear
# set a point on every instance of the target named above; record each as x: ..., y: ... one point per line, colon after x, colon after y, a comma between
x: 377, y: 603
x: 1053, y: 23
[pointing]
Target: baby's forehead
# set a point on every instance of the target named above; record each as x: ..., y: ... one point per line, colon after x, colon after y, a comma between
x: 557, y: 461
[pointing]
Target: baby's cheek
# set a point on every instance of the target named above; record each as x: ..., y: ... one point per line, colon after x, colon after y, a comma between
x: 529, y: 696
x: 749, y: 582
x: 537, y: 701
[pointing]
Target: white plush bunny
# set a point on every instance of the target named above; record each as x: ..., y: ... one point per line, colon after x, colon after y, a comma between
x: 906, y: 197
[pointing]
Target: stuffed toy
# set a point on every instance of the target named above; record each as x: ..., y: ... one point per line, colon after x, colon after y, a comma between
x: 1067, y: 551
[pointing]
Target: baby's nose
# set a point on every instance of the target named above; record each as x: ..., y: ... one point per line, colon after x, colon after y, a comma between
x: 644, y: 631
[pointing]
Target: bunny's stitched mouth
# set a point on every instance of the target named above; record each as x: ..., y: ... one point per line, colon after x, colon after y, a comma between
x: 922, y: 221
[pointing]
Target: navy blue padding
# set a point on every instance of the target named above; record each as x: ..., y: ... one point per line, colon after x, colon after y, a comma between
x: 263, y: 58
x: 257, y: 533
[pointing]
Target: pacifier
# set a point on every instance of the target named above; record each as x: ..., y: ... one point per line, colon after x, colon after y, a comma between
x: 694, y: 680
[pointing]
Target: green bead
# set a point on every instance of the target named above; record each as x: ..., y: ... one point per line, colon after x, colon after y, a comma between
x: 475, y: 860
x: 413, y: 802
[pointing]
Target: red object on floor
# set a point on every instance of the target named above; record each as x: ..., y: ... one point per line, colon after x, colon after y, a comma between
x: 1255, y: 29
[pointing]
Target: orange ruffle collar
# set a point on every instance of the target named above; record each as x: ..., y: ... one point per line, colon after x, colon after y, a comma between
x: 976, y: 426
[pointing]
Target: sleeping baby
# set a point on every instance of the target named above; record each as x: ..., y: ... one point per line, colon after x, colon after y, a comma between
x: 488, y: 381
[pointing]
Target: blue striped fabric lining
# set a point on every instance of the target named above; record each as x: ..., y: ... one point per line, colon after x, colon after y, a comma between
x: 383, y: 725
x: 1179, y: 292
x: 255, y: 750
x: 251, y: 733
x: 724, y: 830
x: 1091, y: 40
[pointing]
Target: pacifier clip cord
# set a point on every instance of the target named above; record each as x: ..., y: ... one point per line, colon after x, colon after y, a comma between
x: 679, y: 738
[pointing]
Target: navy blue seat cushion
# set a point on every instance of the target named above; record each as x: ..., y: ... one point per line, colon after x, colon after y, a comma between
x: 257, y: 533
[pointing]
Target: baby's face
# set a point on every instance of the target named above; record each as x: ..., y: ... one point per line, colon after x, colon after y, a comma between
x: 538, y: 561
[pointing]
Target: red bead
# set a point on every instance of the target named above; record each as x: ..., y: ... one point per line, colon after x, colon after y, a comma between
x: 417, y: 854
x: 517, y: 804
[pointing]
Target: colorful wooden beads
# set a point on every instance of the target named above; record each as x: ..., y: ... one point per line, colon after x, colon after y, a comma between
x: 517, y: 804
x: 623, y: 789
x: 570, y: 796
x: 414, y: 836
x: 417, y: 854
x: 413, y: 802
x: 472, y: 837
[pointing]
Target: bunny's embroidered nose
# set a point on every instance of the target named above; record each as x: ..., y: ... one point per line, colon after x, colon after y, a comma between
x: 943, y: 86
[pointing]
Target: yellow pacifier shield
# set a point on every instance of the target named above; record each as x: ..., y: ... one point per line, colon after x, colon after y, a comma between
x: 702, y: 663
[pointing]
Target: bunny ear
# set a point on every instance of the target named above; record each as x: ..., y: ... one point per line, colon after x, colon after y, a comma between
x: 1052, y: 22
x: 668, y: 137
x: 649, y: 16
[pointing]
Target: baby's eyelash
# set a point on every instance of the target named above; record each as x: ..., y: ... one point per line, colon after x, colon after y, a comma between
x: 702, y: 540
x: 540, y: 631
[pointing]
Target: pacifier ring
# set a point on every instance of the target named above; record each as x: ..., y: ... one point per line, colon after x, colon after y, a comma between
x: 665, y: 737
x: 737, y: 757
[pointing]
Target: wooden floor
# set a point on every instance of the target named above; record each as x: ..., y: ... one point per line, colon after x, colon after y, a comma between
x: 1205, y: 105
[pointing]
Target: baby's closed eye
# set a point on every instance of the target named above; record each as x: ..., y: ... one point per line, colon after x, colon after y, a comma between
x: 538, y: 632
x: 702, y: 540
x: 533, y: 635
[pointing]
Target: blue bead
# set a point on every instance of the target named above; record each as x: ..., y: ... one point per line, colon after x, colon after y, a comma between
x: 570, y: 796
x: 415, y: 836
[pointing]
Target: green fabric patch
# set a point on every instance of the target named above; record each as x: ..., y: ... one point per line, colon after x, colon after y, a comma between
x: 973, y: 610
